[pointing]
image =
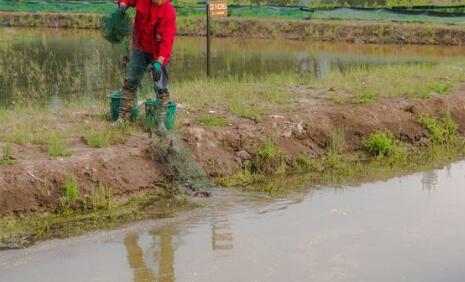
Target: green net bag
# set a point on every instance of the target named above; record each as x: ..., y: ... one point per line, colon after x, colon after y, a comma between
x: 116, y: 27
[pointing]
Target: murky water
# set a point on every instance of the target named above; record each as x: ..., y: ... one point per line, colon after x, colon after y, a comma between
x: 406, y: 229
x: 44, y: 64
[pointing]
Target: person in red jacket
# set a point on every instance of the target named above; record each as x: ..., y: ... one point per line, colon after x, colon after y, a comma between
x: 153, y: 37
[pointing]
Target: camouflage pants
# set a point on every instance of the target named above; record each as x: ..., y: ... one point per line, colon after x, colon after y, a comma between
x: 137, y: 67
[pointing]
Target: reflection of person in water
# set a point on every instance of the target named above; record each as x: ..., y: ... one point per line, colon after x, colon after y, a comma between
x: 429, y: 180
x: 142, y: 273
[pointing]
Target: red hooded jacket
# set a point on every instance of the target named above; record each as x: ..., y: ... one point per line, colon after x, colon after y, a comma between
x: 154, y: 27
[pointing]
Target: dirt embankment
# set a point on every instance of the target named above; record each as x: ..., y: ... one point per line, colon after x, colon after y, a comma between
x: 317, y: 30
x: 35, y: 182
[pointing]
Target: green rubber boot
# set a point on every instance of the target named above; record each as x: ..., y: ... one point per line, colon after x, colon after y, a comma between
x: 161, y: 127
x: 125, y: 107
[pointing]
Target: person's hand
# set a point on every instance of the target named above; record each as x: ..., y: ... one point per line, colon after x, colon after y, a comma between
x: 156, y: 70
x: 122, y: 8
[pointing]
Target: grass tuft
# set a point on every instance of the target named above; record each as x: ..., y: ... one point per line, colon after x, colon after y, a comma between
x: 383, y: 144
x: 442, y: 131
x: 57, y: 147
x: 210, y: 120
x: 7, y: 155
x: 101, y: 138
x: 70, y: 195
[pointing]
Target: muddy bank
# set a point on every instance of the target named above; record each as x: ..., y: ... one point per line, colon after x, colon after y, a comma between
x: 316, y: 30
x: 307, y: 130
x: 35, y: 182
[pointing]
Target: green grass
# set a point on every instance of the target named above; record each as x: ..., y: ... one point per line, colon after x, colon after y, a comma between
x: 101, y: 197
x: 382, y: 144
x: 7, y: 155
x: 70, y: 196
x: 364, y: 85
x: 336, y: 142
x: 248, y: 97
x: 211, y: 120
x: 442, y: 131
x: 57, y: 147
x: 103, y: 137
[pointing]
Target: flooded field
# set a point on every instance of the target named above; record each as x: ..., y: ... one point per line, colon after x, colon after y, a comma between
x: 75, y: 63
x: 404, y: 229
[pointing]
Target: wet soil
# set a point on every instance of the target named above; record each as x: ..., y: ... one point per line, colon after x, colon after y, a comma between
x: 317, y: 30
x: 34, y: 183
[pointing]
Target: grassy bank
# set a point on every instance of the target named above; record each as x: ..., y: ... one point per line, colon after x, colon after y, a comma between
x: 316, y: 30
x: 247, y: 97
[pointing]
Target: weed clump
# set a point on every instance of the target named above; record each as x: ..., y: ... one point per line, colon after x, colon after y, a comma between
x: 269, y: 160
x: 303, y: 163
x: 101, y: 197
x: 212, y: 120
x: 70, y: 195
x: 333, y: 156
x: 383, y: 144
x: 102, y: 138
x: 442, y: 131
x: 7, y: 155
x: 57, y: 147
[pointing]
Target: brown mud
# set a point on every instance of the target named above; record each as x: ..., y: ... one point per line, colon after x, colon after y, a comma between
x: 316, y: 30
x: 34, y: 183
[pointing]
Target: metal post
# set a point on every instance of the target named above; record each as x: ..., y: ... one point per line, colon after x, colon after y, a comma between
x: 208, y: 40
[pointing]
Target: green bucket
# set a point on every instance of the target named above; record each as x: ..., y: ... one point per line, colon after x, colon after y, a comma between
x: 115, y: 99
x: 152, y: 108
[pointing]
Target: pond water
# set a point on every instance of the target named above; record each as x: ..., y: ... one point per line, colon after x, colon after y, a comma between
x: 408, y: 228
x: 44, y: 64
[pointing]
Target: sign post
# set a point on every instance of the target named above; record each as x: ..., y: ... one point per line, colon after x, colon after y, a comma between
x: 214, y: 9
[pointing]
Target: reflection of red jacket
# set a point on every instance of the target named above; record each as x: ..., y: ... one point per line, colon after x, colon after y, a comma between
x: 154, y: 27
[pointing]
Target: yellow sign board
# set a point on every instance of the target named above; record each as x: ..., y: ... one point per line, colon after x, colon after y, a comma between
x: 218, y: 8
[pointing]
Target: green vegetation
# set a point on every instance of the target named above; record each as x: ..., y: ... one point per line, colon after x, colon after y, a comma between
x: 211, y: 120
x: 57, y: 147
x: 383, y: 144
x: 70, y: 195
x: 101, y: 197
x: 247, y: 97
x: 98, y: 137
x: 269, y: 160
x: 7, y: 155
x: 303, y: 163
x: 336, y: 141
x: 408, y: 81
x: 442, y: 131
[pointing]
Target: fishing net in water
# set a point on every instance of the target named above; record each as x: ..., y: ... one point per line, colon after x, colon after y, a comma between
x: 116, y: 27
x: 181, y: 167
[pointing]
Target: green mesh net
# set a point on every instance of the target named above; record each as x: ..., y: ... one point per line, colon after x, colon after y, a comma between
x: 116, y: 27
x: 180, y: 166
